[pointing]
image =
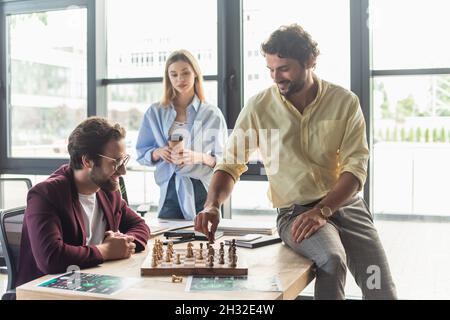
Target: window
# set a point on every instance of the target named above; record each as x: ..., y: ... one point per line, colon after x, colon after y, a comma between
x: 409, y: 34
x: 412, y: 143
x: 410, y: 89
x: 48, y: 80
x: 245, y: 207
x: 144, y: 27
x: 333, y: 64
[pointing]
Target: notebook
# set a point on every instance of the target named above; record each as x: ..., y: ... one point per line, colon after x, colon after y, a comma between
x: 237, y: 227
x: 259, y: 242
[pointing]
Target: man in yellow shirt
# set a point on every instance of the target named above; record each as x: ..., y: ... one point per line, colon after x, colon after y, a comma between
x: 312, y: 141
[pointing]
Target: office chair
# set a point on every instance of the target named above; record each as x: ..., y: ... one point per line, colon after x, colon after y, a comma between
x: 123, y: 190
x: 142, y: 209
x: 2, y: 205
x: 11, y: 221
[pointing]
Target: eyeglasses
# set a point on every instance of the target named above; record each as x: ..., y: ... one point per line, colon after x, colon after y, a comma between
x: 117, y: 162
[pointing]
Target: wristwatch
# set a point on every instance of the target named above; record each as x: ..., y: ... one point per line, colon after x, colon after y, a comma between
x: 324, y: 210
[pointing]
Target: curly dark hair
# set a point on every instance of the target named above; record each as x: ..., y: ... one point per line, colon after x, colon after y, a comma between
x: 89, y: 139
x: 291, y: 42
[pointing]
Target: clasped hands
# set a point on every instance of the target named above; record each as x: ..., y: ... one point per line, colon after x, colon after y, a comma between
x: 117, y: 245
x: 179, y: 156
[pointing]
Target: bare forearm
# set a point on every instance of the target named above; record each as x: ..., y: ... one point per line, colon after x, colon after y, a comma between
x: 219, y: 190
x: 346, y: 187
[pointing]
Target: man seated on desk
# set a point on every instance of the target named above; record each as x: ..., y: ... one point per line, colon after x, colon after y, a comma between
x: 316, y: 162
x: 77, y: 216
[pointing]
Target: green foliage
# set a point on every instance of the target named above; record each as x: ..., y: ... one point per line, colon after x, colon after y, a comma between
x: 405, y: 108
x: 418, y: 134
x: 403, y: 134
x: 435, y: 135
x: 443, y: 135
x: 411, y: 135
x: 427, y: 135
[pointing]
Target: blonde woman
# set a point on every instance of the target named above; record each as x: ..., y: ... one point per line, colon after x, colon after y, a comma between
x: 183, y: 173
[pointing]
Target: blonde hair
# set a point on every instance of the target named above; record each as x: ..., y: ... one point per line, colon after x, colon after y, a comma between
x: 169, y: 92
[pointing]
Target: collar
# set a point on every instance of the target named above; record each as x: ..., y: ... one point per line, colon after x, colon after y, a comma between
x: 195, y: 103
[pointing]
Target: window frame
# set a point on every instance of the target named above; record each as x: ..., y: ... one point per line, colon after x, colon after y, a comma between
x: 95, y: 45
x: 229, y: 72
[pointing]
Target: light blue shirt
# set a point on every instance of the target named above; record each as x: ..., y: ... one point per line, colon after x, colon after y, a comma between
x: 207, y: 134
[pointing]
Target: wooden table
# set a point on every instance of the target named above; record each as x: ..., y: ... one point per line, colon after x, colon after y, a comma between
x: 294, y: 271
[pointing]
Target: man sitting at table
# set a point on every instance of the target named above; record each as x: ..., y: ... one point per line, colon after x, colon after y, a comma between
x: 77, y: 216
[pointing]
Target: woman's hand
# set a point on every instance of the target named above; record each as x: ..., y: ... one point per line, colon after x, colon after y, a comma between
x: 186, y: 157
x: 189, y: 157
x: 164, y: 153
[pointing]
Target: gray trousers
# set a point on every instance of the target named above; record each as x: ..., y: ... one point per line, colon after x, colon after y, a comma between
x: 348, y: 239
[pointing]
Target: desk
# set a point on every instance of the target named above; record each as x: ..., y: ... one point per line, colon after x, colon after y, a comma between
x: 295, y: 273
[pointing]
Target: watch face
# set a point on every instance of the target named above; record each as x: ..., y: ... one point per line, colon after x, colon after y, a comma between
x: 326, y: 211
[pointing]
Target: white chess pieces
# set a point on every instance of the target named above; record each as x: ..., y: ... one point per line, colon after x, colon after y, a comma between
x: 178, y: 259
x: 154, y: 260
x: 190, y: 251
x: 221, y: 258
x: 176, y: 279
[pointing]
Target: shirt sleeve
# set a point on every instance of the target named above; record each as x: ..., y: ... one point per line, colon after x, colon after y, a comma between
x: 146, y: 142
x: 242, y: 142
x: 132, y: 224
x: 354, y: 151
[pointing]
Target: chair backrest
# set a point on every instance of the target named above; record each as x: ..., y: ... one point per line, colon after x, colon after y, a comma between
x: 123, y: 190
x: 11, y: 221
x: 13, y: 192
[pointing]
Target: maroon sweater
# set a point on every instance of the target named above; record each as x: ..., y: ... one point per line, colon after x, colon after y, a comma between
x: 53, y: 234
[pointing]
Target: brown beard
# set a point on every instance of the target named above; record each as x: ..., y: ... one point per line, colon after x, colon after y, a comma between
x: 294, y: 87
x: 102, y: 183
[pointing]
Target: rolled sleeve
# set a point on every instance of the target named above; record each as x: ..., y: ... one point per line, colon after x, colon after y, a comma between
x: 354, y: 151
x: 242, y: 142
x: 235, y: 171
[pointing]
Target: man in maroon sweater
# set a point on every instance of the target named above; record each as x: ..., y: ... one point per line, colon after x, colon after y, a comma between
x: 77, y: 216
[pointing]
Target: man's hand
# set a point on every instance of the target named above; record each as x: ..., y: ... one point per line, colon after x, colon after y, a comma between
x: 206, y: 216
x: 306, y: 224
x: 116, y: 245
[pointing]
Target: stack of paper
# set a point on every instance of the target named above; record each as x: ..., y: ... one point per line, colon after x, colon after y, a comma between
x: 159, y: 226
x: 234, y: 227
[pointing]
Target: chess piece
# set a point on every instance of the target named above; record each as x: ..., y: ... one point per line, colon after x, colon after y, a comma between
x: 221, y: 250
x: 211, y: 261
x: 176, y: 279
x: 233, y: 261
x: 221, y: 258
x: 200, y: 255
x: 178, y: 259
x: 211, y: 251
x: 154, y: 260
x: 168, y: 256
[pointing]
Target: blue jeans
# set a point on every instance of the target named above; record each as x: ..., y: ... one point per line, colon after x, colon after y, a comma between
x: 171, y: 207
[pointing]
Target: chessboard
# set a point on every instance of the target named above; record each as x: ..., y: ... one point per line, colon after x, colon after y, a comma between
x: 202, y: 260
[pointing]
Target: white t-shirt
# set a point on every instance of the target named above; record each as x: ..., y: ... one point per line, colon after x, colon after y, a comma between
x: 94, y: 220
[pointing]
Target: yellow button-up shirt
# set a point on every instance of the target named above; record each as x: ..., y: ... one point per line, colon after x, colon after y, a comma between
x: 303, y: 154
